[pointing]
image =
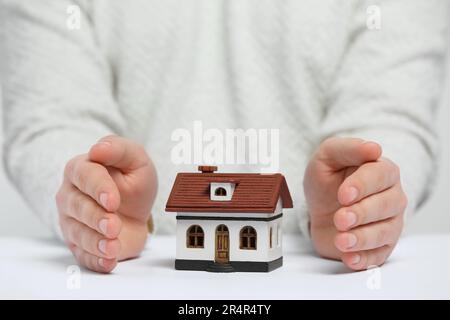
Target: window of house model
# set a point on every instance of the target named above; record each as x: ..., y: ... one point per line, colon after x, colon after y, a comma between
x: 195, y: 237
x: 220, y: 192
x: 248, y: 238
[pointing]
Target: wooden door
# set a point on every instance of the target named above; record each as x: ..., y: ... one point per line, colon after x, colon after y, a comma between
x: 222, y: 244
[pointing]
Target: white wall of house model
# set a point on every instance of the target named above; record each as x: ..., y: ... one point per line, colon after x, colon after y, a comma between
x: 263, y: 253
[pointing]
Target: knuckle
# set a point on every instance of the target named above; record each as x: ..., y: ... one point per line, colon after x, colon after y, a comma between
x: 86, y: 240
x: 72, y: 234
x: 381, y: 256
x: 71, y: 165
x: 82, y: 257
x: 383, y: 205
x: 324, y: 147
x: 62, y: 226
x: 60, y: 198
x: 68, y: 169
x: 78, y: 254
x: 76, y: 233
x: 80, y: 176
x: 90, y: 262
x: 94, y: 213
x: 73, y: 248
x: 84, y: 211
x: 400, y: 223
x: 403, y: 202
x: 362, y: 240
x: 382, y: 236
x: 75, y: 204
x: 327, y: 144
x: 328, y: 141
x: 395, y: 171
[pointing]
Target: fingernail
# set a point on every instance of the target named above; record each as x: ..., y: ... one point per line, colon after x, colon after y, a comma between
x: 352, y: 194
x: 104, y: 199
x: 101, y: 262
x: 102, y: 245
x: 351, y: 218
x: 356, y: 259
x: 103, y: 225
x: 351, y: 240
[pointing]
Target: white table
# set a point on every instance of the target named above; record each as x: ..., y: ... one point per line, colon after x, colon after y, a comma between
x: 40, y: 268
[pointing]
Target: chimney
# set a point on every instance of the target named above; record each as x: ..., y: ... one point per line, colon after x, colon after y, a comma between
x: 207, y: 169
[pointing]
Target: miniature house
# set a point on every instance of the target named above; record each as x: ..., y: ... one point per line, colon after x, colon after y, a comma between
x: 228, y: 222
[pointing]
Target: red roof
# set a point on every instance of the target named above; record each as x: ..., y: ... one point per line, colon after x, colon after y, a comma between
x: 253, y: 193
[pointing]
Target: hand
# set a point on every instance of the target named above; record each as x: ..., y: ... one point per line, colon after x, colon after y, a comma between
x: 355, y: 201
x: 104, y: 203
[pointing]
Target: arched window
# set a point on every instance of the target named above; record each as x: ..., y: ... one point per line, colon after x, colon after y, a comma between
x: 220, y: 192
x: 195, y: 237
x: 248, y: 238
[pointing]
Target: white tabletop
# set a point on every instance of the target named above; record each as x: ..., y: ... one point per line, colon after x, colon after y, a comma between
x: 40, y: 268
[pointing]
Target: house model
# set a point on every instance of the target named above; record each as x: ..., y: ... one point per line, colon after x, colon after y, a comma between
x: 228, y: 222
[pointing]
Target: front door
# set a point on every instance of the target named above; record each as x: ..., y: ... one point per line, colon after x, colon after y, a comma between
x: 222, y: 244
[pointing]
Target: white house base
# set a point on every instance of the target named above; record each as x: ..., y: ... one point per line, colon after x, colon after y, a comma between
x: 232, y: 266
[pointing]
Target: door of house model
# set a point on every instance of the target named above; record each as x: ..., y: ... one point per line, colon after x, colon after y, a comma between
x: 222, y: 244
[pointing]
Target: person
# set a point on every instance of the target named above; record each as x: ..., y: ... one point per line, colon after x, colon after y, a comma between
x: 93, y: 91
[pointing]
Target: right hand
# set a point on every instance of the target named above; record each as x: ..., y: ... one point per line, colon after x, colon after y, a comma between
x: 104, y: 203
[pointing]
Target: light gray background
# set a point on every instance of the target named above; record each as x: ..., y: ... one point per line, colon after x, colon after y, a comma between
x: 16, y: 219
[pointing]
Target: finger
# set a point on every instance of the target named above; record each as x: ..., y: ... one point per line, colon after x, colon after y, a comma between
x: 82, y: 208
x: 364, y: 260
x: 93, y: 262
x: 88, y: 239
x: 370, y: 236
x: 379, y: 206
x: 120, y: 153
x: 369, y: 178
x: 339, y: 153
x: 94, y: 180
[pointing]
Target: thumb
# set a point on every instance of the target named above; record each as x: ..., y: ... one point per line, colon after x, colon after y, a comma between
x: 120, y: 153
x: 338, y: 153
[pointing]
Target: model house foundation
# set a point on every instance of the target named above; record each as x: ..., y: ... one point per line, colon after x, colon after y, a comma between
x: 229, y: 222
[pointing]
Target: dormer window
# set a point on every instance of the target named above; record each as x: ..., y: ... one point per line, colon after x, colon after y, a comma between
x: 222, y: 191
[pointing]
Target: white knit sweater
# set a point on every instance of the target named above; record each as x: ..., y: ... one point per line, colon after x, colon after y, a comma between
x: 143, y: 68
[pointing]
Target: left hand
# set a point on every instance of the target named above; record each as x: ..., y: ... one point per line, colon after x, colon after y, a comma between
x: 355, y: 201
